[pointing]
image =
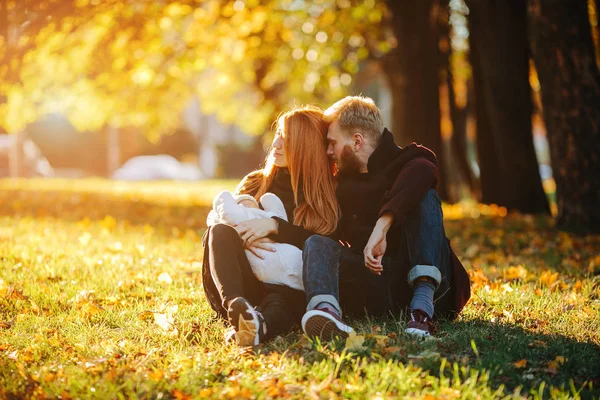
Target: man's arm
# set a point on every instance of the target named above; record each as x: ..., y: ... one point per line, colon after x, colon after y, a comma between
x: 414, y: 180
x: 377, y: 244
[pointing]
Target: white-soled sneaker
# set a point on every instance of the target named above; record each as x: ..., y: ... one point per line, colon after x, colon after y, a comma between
x: 249, y: 324
x: 325, y: 325
x: 420, y: 324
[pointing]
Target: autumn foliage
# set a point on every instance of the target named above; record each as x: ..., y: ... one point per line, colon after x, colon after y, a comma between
x: 101, y: 296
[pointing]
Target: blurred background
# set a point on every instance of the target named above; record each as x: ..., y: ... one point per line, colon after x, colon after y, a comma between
x: 505, y: 92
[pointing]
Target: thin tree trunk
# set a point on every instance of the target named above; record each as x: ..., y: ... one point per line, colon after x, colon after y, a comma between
x: 563, y: 52
x: 458, y: 115
x: 413, y: 73
x: 500, y: 61
x: 458, y: 142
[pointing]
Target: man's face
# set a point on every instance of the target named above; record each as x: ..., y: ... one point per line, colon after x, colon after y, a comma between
x: 340, y: 149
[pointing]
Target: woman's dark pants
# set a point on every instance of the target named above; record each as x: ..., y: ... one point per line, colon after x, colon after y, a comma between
x: 281, y: 306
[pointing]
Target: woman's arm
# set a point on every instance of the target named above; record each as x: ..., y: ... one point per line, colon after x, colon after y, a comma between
x: 293, y: 234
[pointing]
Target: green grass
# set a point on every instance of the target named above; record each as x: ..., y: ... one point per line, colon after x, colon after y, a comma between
x: 87, y: 309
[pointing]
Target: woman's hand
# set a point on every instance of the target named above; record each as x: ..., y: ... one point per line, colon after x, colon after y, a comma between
x: 260, y: 244
x: 255, y: 229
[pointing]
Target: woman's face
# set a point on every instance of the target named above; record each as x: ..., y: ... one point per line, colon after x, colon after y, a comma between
x: 279, y: 150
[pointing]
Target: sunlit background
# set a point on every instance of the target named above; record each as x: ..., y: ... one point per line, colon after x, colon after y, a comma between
x: 188, y: 90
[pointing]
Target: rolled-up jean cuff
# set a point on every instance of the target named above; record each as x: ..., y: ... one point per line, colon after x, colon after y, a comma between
x: 323, y: 298
x: 429, y: 271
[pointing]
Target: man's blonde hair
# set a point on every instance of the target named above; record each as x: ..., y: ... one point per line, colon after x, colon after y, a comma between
x: 357, y: 113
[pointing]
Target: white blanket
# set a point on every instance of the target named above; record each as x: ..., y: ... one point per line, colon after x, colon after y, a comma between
x: 282, y: 267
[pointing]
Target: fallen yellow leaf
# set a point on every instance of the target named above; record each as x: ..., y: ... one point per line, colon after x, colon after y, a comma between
x: 165, y: 278
x: 548, y: 278
x: 156, y: 376
x: 520, y: 364
x: 381, y: 340
x: 513, y: 273
x: 355, y: 342
x: 179, y: 395
x: 391, y: 350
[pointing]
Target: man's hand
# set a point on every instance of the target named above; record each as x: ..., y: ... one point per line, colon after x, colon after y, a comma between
x: 255, y: 229
x: 260, y: 244
x: 377, y: 244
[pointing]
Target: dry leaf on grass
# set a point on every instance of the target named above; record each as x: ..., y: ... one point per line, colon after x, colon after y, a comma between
x: 355, y: 342
x: 165, y: 278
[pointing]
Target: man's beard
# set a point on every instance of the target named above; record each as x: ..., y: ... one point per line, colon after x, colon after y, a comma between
x: 349, y: 161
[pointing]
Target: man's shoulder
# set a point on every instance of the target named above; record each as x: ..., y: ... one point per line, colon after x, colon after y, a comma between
x: 413, y: 154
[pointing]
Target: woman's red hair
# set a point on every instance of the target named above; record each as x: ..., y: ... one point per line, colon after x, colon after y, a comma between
x: 304, y: 131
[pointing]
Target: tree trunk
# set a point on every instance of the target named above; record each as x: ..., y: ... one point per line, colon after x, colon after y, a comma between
x: 413, y: 75
x: 458, y: 115
x: 458, y: 143
x: 563, y: 52
x: 500, y: 61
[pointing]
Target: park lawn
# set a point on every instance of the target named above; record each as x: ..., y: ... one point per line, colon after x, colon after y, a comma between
x: 101, y: 297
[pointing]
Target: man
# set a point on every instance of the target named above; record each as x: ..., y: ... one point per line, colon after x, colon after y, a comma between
x: 393, y: 250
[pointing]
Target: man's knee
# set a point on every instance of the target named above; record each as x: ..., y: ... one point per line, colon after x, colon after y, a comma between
x: 319, y: 243
x: 431, y: 199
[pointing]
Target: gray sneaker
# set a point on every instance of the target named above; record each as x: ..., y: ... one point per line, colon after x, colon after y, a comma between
x: 325, y: 325
x: 249, y: 324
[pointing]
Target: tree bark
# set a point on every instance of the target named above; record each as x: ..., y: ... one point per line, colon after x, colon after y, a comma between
x: 563, y: 52
x: 413, y: 73
x: 458, y: 115
x: 458, y: 143
x: 500, y: 62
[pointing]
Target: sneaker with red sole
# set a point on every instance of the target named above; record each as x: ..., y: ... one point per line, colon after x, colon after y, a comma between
x: 420, y: 324
x: 325, y: 325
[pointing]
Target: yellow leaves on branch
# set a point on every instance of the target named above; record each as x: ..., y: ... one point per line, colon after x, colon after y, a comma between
x: 144, y: 79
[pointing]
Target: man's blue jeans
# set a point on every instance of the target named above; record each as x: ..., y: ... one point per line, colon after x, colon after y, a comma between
x: 337, y: 275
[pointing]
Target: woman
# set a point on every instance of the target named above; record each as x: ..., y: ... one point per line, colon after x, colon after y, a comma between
x: 298, y: 171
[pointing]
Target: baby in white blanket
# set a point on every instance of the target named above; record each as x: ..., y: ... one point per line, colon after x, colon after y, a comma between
x: 282, y: 267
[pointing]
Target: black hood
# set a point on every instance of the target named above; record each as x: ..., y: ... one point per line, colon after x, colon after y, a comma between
x: 387, y: 151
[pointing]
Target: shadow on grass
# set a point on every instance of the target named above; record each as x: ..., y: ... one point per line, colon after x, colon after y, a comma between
x: 497, y: 347
x: 478, y: 345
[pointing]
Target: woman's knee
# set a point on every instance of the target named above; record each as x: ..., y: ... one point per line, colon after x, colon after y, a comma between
x: 219, y: 233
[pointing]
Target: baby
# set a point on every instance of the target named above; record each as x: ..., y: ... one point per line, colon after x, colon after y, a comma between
x: 282, y: 267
